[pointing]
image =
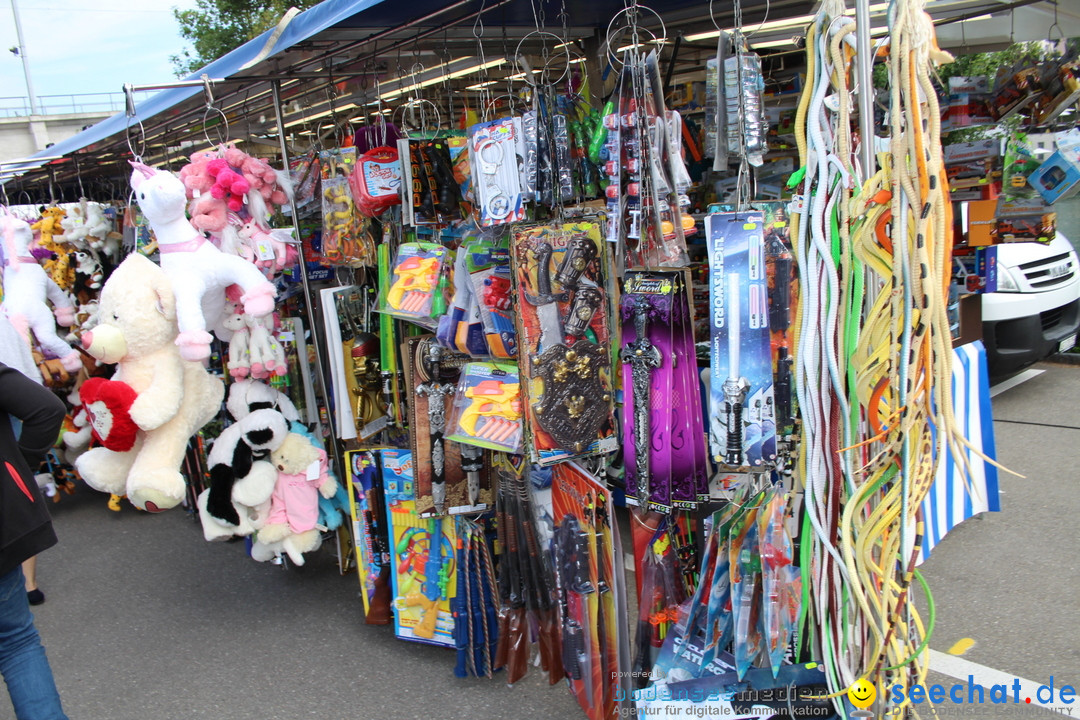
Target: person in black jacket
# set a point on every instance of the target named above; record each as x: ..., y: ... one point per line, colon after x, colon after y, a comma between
x: 25, y: 530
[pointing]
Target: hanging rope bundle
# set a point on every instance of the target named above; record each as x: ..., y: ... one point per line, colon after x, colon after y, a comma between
x: 874, y: 362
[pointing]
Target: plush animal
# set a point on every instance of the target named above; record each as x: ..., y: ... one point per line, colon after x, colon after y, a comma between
x: 173, y: 397
x: 74, y: 225
x: 26, y: 288
x: 229, y: 185
x: 88, y: 270
x: 303, y: 476
x: 50, y: 227
x: 271, y: 188
x: 269, y: 246
x: 237, y: 502
x: 98, y: 226
x: 247, y: 396
x: 77, y: 432
x: 199, y: 271
x: 253, y: 349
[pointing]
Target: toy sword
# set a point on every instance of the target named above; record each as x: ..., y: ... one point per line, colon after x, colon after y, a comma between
x: 545, y: 301
x: 735, y: 386
x: 471, y: 463
x: 642, y: 357
x: 429, y: 355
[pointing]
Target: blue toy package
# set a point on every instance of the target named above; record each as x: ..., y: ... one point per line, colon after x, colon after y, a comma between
x: 488, y: 265
x: 424, y: 577
x: 742, y: 416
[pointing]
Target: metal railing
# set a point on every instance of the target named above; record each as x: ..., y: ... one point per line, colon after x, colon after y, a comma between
x: 78, y: 104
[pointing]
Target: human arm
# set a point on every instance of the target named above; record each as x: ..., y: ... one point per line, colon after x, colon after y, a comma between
x: 41, y: 413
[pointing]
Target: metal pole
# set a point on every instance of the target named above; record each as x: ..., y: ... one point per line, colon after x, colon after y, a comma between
x: 320, y: 375
x: 864, y: 59
x: 25, y: 59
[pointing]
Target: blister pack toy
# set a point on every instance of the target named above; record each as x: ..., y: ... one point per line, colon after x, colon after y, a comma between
x: 665, y: 456
x: 496, y: 182
x: 415, y: 291
x: 561, y: 280
x: 487, y: 407
x: 742, y: 413
x: 487, y: 263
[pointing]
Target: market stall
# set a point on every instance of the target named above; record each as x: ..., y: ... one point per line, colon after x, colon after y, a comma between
x: 488, y: 296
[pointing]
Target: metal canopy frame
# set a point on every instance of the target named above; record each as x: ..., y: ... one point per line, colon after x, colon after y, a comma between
x: 336, y: 66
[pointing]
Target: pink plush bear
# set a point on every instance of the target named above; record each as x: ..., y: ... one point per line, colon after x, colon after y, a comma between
x: 259, y: 174
x: 229, y: 185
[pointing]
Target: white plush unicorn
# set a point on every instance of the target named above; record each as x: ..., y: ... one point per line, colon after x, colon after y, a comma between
x: 26, y: 287
x: 198, y: 270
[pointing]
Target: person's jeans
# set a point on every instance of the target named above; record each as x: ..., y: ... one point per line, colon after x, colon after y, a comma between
x: 22, y: 658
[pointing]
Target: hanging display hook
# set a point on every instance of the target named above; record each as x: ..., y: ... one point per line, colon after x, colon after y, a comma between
x: 631, y: 15
x: 211, y: 108
x: 136, y: 149
x: 546, y: 67
x: 409, y: 110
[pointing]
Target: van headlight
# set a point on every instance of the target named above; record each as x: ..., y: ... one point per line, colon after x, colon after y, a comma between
x: 1006, y: 282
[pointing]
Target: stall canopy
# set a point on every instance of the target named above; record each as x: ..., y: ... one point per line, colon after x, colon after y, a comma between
x: 335, y: 60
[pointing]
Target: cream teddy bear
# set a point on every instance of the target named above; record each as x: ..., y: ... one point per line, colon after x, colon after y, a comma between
x: 291, y: 527
x: 173, y: 397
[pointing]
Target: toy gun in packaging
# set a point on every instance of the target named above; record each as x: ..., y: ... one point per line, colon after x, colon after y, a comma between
x: 487, y: 409
x: 436, y: 579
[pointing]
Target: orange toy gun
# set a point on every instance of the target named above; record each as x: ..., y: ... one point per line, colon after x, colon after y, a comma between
x: 416, y: 273
x: 497, y: 400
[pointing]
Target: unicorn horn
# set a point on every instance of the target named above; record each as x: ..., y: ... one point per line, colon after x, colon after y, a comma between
x: 146, y: 170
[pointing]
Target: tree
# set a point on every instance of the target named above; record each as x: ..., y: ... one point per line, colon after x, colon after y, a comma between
x: 215, y: 27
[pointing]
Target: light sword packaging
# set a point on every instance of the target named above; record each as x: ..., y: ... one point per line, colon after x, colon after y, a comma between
x: 742, y: 427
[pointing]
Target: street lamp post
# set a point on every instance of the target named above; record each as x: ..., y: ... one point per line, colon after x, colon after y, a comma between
x: 21, y: 52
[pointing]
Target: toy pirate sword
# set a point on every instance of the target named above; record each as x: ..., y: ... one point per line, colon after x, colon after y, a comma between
x: 642, y: 357
x: 429, y: 366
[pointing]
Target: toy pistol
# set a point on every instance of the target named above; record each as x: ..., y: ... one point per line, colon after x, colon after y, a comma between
x: 436, y: 578
x: 493, y: 399
x: 415, y: 274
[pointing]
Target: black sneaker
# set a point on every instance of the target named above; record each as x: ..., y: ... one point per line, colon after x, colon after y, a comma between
x: 35, y: 597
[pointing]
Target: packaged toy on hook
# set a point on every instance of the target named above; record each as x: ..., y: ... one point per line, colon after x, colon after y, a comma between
x: 495, y: 179
x: 487, y: 407
x: 415, y: 290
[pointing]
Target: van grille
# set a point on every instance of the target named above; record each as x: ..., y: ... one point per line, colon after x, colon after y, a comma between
x: 1051, y: 318
x: 1049, y: 272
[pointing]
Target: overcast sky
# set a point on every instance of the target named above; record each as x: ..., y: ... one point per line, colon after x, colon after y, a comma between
x: 84, y: 46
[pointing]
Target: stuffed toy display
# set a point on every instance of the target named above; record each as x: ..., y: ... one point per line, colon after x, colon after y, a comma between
x: 253, y: 348
x: 237, y: 503
x: 172, y: 397
x: 26, y: 288
x: 198, y: 270
x: 232, y: 194
x: 291, y: 526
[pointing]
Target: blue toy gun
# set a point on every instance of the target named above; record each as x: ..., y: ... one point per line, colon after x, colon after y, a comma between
x: 436, y: 579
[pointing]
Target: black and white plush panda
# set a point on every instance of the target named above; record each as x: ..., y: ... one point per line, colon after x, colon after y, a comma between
x: 241, y: 478
x: 246, y: 396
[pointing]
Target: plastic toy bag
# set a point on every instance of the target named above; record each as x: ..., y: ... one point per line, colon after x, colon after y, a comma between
x: 487, y: 407
x: 415, y: 291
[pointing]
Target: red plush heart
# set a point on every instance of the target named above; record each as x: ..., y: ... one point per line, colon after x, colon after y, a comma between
x: 108, y: 405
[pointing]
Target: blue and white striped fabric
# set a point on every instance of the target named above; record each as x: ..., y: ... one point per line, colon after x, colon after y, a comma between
x: 951, y: 500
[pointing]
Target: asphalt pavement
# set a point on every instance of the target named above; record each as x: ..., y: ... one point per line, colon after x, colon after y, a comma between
x: 145, y: 620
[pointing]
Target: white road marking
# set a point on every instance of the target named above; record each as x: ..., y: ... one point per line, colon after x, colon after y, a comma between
x: 959, y: 668
x: 1014, y: 381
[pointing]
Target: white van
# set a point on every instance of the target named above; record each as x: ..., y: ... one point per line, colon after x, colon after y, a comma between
x: 1036, y: 309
